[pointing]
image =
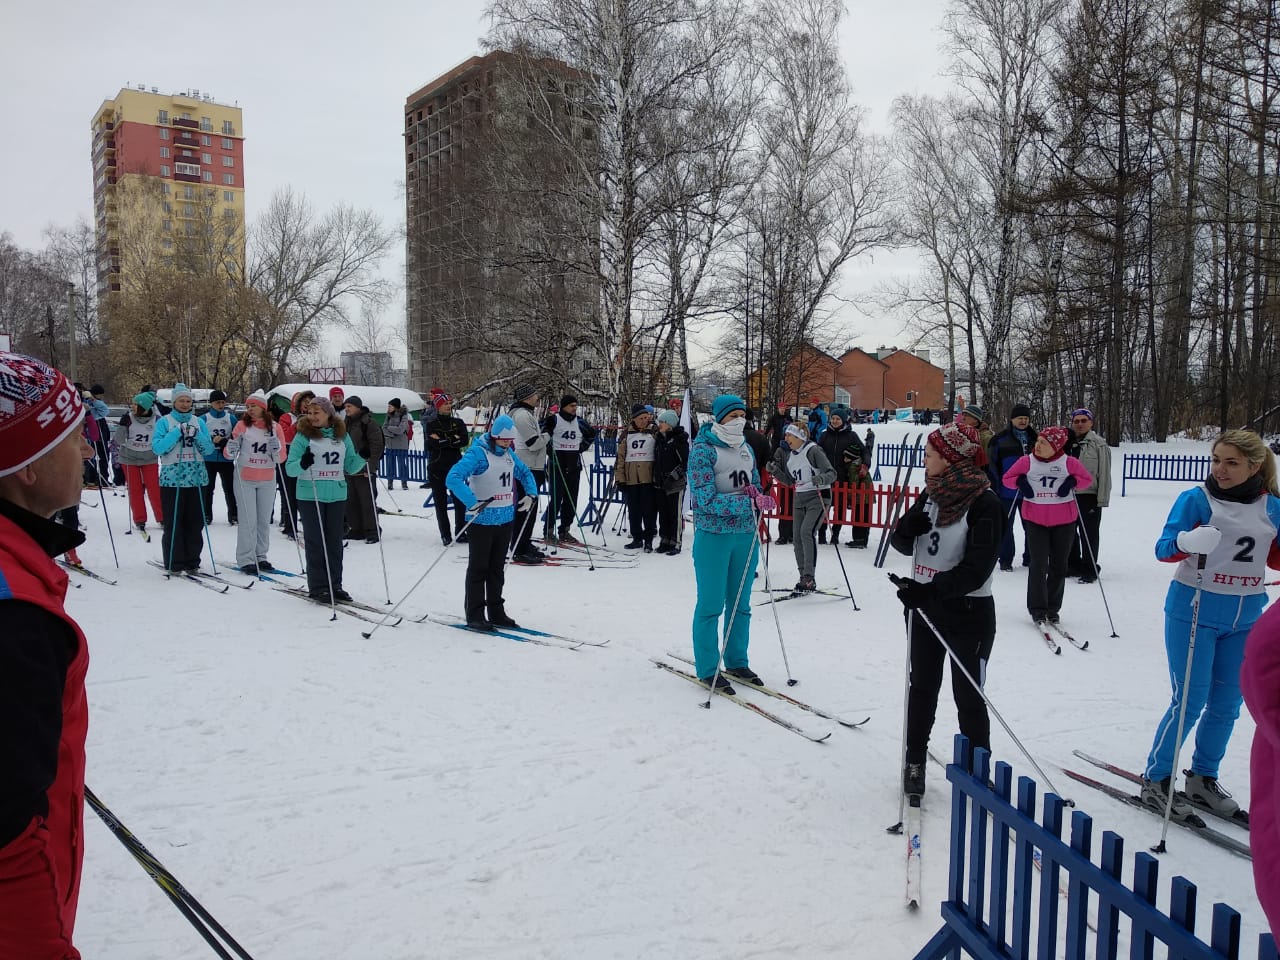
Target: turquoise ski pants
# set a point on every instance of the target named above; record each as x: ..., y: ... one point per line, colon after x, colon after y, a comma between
x: 721, y: 561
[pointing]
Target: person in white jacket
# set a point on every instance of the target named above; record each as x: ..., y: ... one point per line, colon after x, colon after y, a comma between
x: 531, y: 448
x: 1092, y: 451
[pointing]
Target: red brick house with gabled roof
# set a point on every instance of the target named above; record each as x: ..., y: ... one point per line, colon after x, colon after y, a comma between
x: 863, y: 376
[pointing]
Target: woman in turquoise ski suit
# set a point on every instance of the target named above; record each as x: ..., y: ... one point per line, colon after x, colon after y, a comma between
x: 722, y: 475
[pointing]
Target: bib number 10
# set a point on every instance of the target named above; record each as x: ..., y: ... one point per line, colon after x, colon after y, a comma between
x: 739, y: 478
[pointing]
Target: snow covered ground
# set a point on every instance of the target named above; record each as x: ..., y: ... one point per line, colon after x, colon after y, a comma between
x: 433, y: 793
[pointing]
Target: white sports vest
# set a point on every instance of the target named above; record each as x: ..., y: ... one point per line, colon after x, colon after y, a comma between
x: 640, y: 447
x: 733, y: 468
x: 495, y: 482
x: 1238, y: 564
x: 941, y: 549
x: 801, y: 469
x: 253, y: 449
x: 1045, y: 477
x: 139, y: 434
x: 184, y: 451
x: 219, y: 426
x: 329, y: 454
x: 567, y: 436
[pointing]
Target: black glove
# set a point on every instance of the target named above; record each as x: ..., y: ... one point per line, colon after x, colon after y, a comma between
x: 364, y: 453
x: 915, y: 523
x: 1024, y: 487
x: 913, y: 594
x: 1066, y: 486
x: 307, y: 459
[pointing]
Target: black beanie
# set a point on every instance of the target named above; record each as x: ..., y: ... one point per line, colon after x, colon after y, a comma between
x: 216, y: 395
x: 524, y: 391
x: 395, y: 402
x: 567, y: 399
x: 637, y: 409
x: 354, y: 401
x: 1019, y: 410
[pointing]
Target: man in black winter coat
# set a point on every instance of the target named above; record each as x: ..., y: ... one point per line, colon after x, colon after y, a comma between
x: 1003, y: 452
x: 571, y: 436
x: 366, y: 436
x: 446, y: 438
x: 849, y: 458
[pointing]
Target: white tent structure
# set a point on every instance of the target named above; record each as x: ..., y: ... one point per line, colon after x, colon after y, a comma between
x: 375, y: 398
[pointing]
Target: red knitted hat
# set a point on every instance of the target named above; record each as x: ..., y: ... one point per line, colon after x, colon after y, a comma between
x: 958, y: 441
x: 442, y: 398
x: 1056, y: 437
x: 335, y: 395
x: 38, y: 409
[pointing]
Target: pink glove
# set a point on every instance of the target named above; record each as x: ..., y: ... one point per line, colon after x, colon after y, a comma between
x: 764, y: 503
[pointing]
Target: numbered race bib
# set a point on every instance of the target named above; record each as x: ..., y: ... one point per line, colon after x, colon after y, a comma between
x: 184, y: 451
x: 941, y: 549
x: 495, y: 482
x: 329, y: 454
x: 218, y: 427
x: 139, y: 436
x: 640, y: 448
x: 566, y: 437
x: 1045, y: 477
x: 253, y: 449
x: 801, y: 470
x: 1238, y: 564
x: 733, y: 469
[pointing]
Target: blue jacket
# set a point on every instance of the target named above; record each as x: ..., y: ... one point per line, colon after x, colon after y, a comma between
x: 166, y: 437
x: 817, y: 423
x: 473, y: 463
x: 99, y: 409
x: 212, y: 418
x: 1222, y: 610
x: 716, y: 512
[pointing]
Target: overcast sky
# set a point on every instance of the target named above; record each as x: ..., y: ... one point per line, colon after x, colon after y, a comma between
x: 322, y: 85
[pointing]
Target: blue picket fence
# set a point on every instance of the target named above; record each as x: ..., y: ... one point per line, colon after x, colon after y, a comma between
x: 1163, y: 466
x: 993, y: 901
x: 887, y: 455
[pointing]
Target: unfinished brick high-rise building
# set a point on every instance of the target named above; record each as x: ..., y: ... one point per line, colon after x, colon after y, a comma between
x: 502, y: 235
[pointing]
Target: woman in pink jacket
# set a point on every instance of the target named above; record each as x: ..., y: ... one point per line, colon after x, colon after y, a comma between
x: 1047, y: 480
x: 1260, y: 683
x: 256, y: 446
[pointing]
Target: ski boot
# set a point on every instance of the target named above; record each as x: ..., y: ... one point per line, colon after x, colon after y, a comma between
x: 913, y: 779
x: 1206, y: 792
x: 1155, y: 794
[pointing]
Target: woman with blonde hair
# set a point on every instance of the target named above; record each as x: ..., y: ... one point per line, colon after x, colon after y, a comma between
x: 1222, y: 536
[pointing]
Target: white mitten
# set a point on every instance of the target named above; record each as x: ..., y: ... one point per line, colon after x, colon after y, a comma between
x: 1200, y: 540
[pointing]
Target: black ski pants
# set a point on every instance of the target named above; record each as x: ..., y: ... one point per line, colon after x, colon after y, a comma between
x: 1048, y: 548
x: 322, y: 538
x: 669, y: 516
x: 362, y: 517
x: 564, y: 477
x: 226, y: 472
x: 440, y: 501
x: 486, y: 569
x: 969, y: 625
x: 183, y: 539
x: 642, y: 510
x: 288, y: 487
x: 1083, y: 560
x: 524, y: 522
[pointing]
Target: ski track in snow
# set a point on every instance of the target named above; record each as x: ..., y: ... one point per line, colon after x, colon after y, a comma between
x: 433, y: 793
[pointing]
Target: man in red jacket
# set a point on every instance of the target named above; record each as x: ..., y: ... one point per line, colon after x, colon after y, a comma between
x: 43, y: 660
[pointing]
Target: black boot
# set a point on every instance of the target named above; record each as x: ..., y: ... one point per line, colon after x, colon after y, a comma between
x: 722, y: 684
x: 499, y: 618
x: 913, y: 779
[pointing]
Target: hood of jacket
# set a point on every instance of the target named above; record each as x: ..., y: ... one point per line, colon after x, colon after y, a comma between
x: 309, y: 430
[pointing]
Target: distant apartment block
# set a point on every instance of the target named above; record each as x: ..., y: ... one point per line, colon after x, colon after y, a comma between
x: 168, y: 171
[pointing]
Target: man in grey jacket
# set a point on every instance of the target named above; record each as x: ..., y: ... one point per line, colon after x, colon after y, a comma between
x: 531, y: 447
x: 1092, y: 451
x: 395, y: 433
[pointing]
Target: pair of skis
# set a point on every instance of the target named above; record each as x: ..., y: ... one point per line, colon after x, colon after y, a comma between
x: 352, y: 608
x: 519, y: 634
x: 789, y: 594
x: 86, y: 572
x: 1050, y: 631
x: 898, y: 494
x: 1217, y: 837
x: 210, y: 581
x: 813, y: 736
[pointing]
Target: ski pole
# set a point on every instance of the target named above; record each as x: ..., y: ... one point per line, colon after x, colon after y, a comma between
x: 1094, y: 560
x: 955, y: 660
x: 773, y: 604
x: 848, y: 586
x: 387, y: 616
x: 106, y: 515
x: 205, y: 520
x: 906, y: 700
x: 289, y: 507
x: 582, y: 466
x: 573, y: 505
x: 733, y: 612
x: 173, y: 529
x: 178, y: 895
x: 515, y: 541
x: 390, y: 496
x: 1182, y: 707
x: 377, y: 525
x: 328, y: 572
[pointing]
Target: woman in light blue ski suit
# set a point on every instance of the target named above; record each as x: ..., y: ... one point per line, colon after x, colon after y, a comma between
x: 721, y: 474
x: 1231, y: 522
